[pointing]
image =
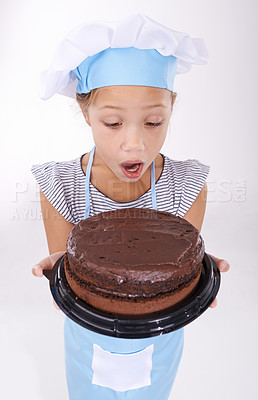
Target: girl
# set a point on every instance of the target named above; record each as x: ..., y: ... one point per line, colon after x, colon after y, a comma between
x: 122, y: 75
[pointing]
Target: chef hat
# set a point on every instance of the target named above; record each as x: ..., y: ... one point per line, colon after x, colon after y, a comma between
x: 133, y: 51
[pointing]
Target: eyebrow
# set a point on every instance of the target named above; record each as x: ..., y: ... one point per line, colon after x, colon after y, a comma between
x: 120, y: 108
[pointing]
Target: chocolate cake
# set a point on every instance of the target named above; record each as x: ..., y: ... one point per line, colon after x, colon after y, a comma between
x: 133, y: 261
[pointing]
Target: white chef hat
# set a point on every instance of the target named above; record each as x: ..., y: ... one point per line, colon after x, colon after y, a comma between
x: 133, y: 51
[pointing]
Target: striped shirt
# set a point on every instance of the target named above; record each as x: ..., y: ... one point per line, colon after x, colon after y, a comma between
x: 63, y: 184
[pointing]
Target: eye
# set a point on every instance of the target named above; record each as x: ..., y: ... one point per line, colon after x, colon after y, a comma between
x: 153, y: 124
x: 117, y: 124
x: 114, y: 125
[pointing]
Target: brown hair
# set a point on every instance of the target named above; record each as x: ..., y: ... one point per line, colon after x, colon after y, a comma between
x: 86, y: 99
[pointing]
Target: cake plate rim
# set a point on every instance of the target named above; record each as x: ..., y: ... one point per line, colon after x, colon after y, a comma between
x: 135, y: 327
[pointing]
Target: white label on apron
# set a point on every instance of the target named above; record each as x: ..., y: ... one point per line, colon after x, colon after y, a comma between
x: 122, y: 372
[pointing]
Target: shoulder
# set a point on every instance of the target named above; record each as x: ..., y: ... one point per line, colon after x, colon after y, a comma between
x: 187, y: 167
x: 59, y: 181
x: 56, y: 168
x: 59, y: 174
x: 187, y: 178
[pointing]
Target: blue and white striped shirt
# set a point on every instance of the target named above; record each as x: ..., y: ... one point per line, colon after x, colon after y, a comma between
x: 63, y: 183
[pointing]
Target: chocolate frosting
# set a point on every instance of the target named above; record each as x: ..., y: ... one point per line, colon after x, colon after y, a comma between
x: 134, y: 252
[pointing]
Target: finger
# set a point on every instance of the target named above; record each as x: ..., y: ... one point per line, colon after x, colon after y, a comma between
x: 46, y: 263
x: 37, y: 270
x: 55, y: 256
x: 214, y: 303
x: 56, y: 306
x: 49, y: 262
x: 222, y: 264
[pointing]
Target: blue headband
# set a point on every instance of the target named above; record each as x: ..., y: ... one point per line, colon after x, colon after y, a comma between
x: 126, y: 66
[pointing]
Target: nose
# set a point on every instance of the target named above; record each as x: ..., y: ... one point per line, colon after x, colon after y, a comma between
x: 132, y: 140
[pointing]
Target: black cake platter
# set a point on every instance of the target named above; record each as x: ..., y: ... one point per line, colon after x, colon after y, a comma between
x: 135, y: 327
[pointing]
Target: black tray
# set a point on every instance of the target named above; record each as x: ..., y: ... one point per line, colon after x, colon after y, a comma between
x: 124, y: 327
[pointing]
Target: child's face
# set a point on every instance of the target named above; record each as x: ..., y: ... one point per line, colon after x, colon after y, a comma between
x: 132, y: 111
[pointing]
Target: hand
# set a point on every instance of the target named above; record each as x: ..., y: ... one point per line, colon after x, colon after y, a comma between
x: 223, y: 266
x: 47, y: 263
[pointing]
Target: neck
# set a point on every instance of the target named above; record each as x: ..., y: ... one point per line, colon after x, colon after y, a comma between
x: 107, y: 182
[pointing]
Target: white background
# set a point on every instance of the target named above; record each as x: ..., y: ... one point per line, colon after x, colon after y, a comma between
x: 214, y: 120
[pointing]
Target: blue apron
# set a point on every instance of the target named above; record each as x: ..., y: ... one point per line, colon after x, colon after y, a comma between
x: 100, y: 367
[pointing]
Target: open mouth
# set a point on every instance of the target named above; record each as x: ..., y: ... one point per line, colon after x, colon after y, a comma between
x: 132, y: 167
x: 132, y: 170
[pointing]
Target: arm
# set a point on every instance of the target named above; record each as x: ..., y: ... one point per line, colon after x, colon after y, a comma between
x: 196, y: 212
x: 56, y: 227
x: 57, y: 230
x: 195, y: 216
